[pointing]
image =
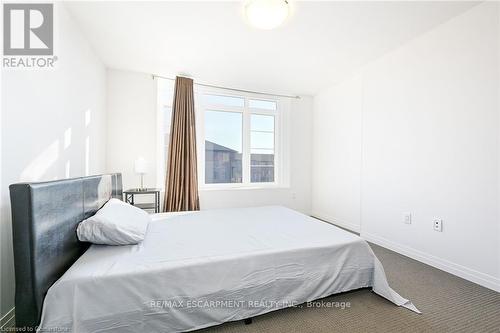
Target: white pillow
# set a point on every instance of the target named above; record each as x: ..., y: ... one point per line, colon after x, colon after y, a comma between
x: 116, y: 223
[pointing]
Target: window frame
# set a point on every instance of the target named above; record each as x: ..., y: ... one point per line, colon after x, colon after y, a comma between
x: 280, y: 160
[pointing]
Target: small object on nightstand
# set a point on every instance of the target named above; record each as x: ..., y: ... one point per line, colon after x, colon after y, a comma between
x: 130, y: 198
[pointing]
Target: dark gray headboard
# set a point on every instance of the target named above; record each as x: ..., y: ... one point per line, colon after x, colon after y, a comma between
x: 44, y: 220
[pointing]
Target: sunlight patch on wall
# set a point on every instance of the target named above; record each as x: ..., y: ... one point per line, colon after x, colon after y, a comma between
x: 88, y: 117
x: 67, y: 169
x: 67, y: 138
x: 36, y: 170
x: 87, y: 156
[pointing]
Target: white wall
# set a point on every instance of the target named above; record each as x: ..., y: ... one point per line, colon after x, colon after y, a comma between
x: 131, y: 130
x: 417, y: 131
x: 44, y: 131
x: 132, y: 126
x: 337, y: 154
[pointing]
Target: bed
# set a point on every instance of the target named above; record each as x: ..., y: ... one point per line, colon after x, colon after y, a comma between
x: 198, y: 269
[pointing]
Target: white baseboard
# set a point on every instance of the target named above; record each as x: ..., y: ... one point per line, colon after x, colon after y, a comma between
x: 7, y: 321
x: 482, y: 279
x: 336, y: 221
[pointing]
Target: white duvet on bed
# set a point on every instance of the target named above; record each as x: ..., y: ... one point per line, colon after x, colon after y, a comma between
x: 199, y: 269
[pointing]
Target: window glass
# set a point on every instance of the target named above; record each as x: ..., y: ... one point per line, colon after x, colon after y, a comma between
x: 221, y: 100
x: 262, y: 123
x: 262, y: 168
x: 166, y: 92
x: 165, y: 100
x: 262, y: 140
x: 261, y: 104
x: 223, y: 147
x: 167, y: 118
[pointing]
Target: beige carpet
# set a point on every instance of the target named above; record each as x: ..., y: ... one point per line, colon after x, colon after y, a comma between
x: 448, y: 304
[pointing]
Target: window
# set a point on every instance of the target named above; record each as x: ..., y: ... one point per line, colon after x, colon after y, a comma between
x: 164, y: 117
x: 240, y: 140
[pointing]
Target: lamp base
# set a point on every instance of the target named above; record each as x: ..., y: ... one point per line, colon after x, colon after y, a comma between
x: 142, y: 188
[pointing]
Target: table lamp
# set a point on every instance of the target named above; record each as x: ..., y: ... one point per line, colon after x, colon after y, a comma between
x: 140, y: 167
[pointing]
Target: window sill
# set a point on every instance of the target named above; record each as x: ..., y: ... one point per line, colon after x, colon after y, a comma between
x: 225, y: 187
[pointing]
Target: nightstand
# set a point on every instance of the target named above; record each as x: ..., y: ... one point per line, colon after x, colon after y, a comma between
x: 130, y: 198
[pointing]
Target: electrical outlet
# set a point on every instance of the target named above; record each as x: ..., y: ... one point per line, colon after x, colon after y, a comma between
x: 438, y: 225
x: 407, y: 218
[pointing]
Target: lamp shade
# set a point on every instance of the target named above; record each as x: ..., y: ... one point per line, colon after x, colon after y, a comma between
x: 140, y: 166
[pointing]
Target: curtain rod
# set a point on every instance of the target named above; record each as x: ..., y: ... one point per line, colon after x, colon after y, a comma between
x: 233, y: 89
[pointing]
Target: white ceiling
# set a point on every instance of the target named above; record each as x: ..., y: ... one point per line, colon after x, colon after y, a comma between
x: 320, y: 43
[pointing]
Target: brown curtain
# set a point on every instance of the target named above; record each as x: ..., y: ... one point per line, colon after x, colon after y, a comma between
x: 181, y: 188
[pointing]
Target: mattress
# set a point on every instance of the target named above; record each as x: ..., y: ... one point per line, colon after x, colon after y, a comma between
x: 199, y: 269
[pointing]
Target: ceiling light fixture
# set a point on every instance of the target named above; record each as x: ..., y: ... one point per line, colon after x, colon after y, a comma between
x: 266, y: 14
